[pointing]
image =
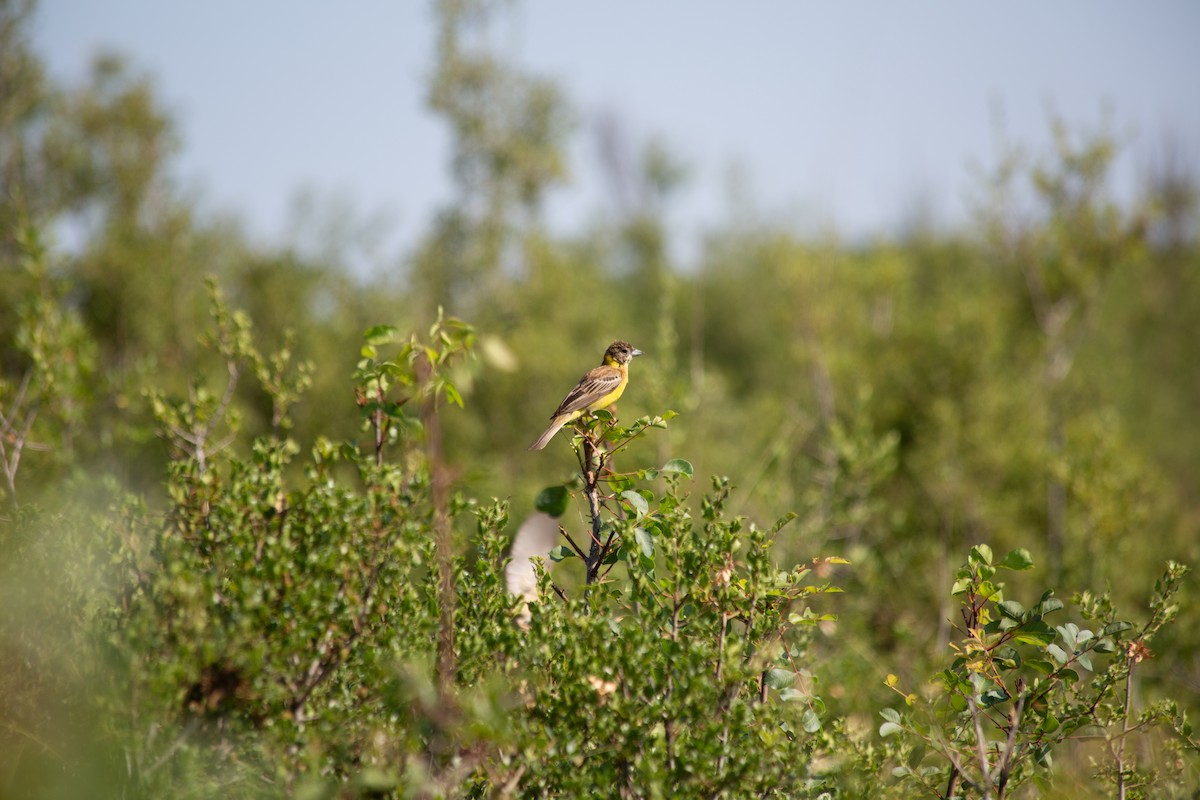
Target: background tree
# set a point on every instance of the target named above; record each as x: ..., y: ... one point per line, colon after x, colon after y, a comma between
x: 218, y: 569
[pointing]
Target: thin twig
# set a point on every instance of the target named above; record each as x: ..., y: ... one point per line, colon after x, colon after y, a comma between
x: 1124, y: 730
x: 1010, y: 746
x: 985, y: 780
x: 724, y: 737
x: 578, y: 550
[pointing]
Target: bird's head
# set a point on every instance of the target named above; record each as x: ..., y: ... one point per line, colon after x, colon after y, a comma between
x: 620, y: 353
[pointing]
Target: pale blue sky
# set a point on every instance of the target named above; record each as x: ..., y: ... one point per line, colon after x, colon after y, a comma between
x: 836, y: 114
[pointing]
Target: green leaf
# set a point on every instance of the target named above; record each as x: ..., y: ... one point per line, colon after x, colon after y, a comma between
x: 452, y: 394
x: 981, y: 553
x: 988, y: 691
x: 916, y: 756
x: 1090, y: 731
x: 552, y: 500
x: 1117, y: 627
x: 810, y: 721
x: 1011, y: 609
x: 890, y: 714
x: 1041, y: 665
x: 1058, y: 653
x: 637, y: 502
x: 1067, y: 632
x: 784, y: 520
x: 1008, y: 657
x: 1018, y: 559
x: 679, y: 466
x: 780, y: 678
x: 888, y: 728
x: 645, y: 542
x: 561, y: 552
x: 989, y: 591
x: 619, y: 483
x: 1036, y: 632
x: 1049, y: 605
x: 381, y: 334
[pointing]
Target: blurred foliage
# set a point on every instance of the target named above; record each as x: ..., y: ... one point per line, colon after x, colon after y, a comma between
x: 242, y: 554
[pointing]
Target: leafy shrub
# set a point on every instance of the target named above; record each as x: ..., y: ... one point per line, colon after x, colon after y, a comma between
x: 312, y: 630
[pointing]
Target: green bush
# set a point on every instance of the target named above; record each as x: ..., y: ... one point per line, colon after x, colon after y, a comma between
x: 315, y: 630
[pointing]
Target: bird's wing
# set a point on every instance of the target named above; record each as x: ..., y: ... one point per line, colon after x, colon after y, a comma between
x: 593, y: 386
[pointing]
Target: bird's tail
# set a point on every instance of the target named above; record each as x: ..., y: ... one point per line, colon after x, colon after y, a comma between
x: 548, y: 434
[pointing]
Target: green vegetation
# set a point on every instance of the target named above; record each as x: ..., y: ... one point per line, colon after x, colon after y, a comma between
x: 247, y: 549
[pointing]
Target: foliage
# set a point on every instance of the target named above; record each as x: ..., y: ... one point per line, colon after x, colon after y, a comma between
x: 241, y: 554
x: 1018, y: 690
x: 44, y: 407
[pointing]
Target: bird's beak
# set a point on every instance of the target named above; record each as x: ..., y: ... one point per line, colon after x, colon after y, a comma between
x: 636, y: 352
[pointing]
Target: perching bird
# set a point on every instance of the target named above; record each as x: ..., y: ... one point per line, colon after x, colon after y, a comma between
x: 598, y: 389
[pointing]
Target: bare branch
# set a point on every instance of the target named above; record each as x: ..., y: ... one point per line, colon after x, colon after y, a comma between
x: 985, y: 779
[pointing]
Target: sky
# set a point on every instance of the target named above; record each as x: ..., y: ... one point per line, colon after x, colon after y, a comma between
x: 855, y: 117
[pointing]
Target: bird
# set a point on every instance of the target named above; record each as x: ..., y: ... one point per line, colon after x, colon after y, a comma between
x: 599, y: 388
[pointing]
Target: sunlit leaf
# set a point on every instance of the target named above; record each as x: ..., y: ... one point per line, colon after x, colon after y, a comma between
x: 1018, y: 559
x: 678, y: 466
x: 381, y: 334
x: 1036, y: 632
x: 981, y: 553
x: 637, y: 502
x: 645, y: 543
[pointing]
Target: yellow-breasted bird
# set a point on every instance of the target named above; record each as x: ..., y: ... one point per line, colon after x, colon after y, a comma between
x: 598, y: 389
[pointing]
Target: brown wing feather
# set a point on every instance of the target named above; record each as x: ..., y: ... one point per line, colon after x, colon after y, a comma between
x: 592, y: 386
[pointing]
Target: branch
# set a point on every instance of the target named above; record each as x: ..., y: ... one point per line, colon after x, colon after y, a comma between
x: 1120, y: 755
x: 594, y: 461
x: 985, y: 782
x: 1010, y: 746
x: 578, y: 550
